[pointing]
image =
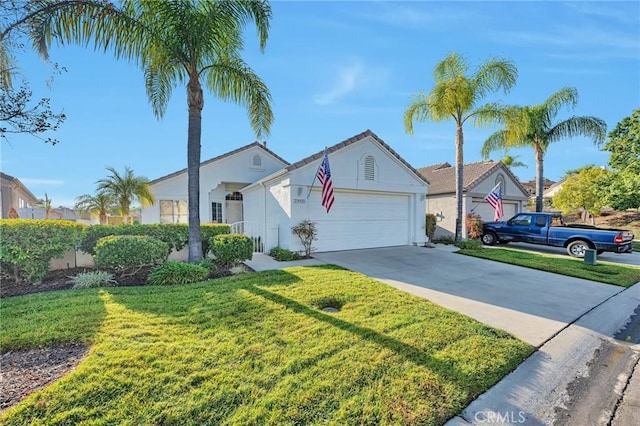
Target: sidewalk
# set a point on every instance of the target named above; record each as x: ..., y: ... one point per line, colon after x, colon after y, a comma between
x: 262, y: 262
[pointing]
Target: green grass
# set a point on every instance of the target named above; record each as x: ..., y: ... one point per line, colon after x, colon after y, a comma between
x: 256, y: 349
x: 604, y: 272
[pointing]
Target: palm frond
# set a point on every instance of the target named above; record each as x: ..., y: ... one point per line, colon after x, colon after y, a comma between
x: 493, y: 75
x: 496, y: 142
x: 418, y: 110
x: 565, y: 97
x: 590, y: 127
x: 231, y: 79
x: 451, y: 67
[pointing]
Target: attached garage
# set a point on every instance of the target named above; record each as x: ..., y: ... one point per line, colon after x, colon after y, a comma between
x: 486, y: 212
x: 479, y: 179
x: 379, y: 199
x: 362, y: 220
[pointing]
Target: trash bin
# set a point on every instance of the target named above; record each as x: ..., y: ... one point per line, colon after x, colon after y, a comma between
x: 590, y: 257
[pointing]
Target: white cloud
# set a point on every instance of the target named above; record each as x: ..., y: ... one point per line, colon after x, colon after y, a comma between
x: 41, y: 182
x: 346, y: 82
x: 582, y: 37
x: 350, y: 79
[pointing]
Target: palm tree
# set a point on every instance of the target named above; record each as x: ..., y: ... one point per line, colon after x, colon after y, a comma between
x: 512, y: 161
x: 100, y: 204
x: 190, y: 43
x: 456, y: 95
x: 125, y: 189
x: 535, y: 127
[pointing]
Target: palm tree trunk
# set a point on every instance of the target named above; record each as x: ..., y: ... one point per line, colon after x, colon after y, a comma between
x: 196, y: 103
x: 103, y: 218
x: 459, y: 180
x: 539, y: 177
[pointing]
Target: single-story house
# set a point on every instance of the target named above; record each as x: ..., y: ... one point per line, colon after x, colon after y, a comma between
x: 479, y: 179
x: 379, y: 197
x: 14, y: 195
x: 221, y: 179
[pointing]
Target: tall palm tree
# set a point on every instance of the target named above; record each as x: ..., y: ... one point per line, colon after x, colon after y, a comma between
x: 535, y: 127
x: 101, y: 204
x: 456, y: 95
x: 176, y: 42
x: 124, y: 189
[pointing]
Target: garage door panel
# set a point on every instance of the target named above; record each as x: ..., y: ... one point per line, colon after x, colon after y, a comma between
x: 487, y: 213
x: 361, y: 220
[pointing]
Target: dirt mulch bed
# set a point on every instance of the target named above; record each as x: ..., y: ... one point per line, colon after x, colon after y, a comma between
x: 28, y: 370
x: 60, y: 280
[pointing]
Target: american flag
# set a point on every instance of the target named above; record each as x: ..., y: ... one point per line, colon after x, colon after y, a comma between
x: 494, y: 198
x: 324, y: 176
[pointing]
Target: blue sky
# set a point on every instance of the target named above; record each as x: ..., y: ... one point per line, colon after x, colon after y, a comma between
x: 335, y: 69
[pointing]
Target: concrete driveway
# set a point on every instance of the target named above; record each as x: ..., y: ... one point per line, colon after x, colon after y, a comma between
x: 532, y: 305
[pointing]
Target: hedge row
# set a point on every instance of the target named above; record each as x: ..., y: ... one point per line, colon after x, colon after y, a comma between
x: 27, y: 245
x: 175, y: 235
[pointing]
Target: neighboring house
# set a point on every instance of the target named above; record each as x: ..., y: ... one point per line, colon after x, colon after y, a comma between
x: 530, y: 186
x: 553, y: 189
x: 13, y: 194
x: 479, y: 179
x: 379, y: 197
x: 221, y: 179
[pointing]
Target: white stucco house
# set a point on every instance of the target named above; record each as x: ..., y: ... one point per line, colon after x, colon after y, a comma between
x: 479, y: 179
x: 221, y: 179
x: 379, y: 197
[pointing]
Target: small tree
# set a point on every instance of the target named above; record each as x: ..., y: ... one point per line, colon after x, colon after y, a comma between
x: 307, y: 232
x: 474, y: 226
x: 579, y: 193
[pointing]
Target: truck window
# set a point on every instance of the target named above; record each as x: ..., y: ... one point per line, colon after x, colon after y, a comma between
x: 522, y: 220
x: 541, y: 221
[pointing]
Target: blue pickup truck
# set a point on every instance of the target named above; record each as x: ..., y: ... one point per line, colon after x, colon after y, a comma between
x: 548, y: 229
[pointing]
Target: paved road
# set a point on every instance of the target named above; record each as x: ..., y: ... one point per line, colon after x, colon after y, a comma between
x: 625, y: 258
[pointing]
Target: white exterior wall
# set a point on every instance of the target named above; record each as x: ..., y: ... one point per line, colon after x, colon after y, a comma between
x: 235, y: 169
x: 287, y: 203
x: 444, y: 207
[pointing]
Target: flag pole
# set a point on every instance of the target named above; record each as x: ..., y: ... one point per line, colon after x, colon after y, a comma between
x: 315, y: 176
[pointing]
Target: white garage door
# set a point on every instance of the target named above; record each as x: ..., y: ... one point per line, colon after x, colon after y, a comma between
x: 487, y: 213
x: 361, y: 220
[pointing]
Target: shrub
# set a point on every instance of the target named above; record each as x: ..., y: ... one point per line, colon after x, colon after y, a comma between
x: 27, y: 245
x: 208, y: 263
x: 92, y: 279
x: 175, y: 235
x: 128, y: 252
x: 307, y: 233
x: 283, y: 255
x: 177, y: 273
x: 469, y: 245
x: 474, y: 226
x: 209, y: 231
x: 232, y: 249
x: 445, y: 240
x: 430, y: 226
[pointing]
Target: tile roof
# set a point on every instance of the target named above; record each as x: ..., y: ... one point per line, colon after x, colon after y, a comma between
x: 367, y: 133
x: 220, y: 157
x: 443, y: 176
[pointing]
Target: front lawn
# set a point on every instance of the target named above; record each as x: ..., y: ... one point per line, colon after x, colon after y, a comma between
x: 604, y: 272
x: 257, y: 349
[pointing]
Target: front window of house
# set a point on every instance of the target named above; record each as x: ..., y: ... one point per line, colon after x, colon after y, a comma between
x: 173, y: 211
x: 216, y: 212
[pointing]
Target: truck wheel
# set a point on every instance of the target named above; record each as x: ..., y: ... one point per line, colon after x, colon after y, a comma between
x: 489, y: 239
x: 577, y: 248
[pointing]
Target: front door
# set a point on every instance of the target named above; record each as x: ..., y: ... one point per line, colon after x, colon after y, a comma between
x: 234, y: 211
